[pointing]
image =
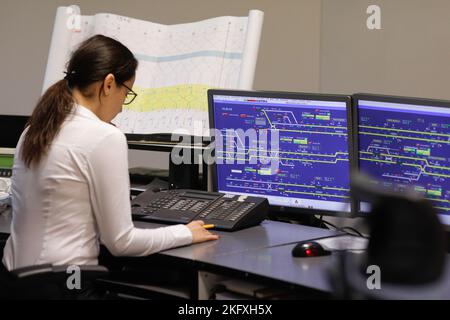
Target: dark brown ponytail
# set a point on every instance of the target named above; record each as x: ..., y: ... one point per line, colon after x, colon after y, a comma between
x: 44, y: 123
x: 95, y: 58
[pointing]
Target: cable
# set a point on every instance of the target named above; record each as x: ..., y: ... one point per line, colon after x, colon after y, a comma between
x: 343, y: 229
x: 352, y: 229
x: 329, y: 223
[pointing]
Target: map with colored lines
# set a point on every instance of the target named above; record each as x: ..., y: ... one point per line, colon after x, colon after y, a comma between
x: 177, y: 65
x: 311, y: 163
x: 407, y: 147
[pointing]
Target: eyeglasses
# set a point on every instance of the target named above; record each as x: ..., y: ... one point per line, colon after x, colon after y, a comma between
x: 131, y: 95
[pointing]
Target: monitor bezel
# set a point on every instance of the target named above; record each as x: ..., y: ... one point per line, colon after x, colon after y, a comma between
x: 390, y: 99
x: 285, y: 210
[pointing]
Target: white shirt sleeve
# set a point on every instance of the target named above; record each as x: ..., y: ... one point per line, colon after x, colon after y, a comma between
x: 109, y: 188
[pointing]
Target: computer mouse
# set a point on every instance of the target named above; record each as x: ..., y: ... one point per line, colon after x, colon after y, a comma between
x: 309, y: 249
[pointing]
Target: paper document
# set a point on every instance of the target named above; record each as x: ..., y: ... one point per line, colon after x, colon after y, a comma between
x: 177, y: 65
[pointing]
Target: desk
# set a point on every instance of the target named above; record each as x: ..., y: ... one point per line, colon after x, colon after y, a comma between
x: 267, y: 234
x: 277, y: 263
x: 261, y: 253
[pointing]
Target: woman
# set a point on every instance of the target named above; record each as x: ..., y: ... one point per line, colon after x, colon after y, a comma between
x: 70, y: 186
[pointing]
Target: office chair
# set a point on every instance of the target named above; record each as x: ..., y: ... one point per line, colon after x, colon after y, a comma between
x: 47, y: 282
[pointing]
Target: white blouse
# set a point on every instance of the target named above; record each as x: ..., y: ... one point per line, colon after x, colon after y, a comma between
x: 77, y: 195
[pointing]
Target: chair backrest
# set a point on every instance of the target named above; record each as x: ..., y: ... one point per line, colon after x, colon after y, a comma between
x: 51, y: 282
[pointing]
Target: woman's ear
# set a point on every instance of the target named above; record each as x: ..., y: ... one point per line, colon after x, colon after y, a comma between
x: 108, y: 84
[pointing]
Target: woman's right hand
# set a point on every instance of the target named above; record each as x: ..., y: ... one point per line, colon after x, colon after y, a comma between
x: 200, y: 234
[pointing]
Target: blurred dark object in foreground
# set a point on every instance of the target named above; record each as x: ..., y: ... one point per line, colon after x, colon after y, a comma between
x: 407, y: 248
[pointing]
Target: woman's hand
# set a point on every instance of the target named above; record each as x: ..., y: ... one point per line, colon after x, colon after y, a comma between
x: 200, y: 234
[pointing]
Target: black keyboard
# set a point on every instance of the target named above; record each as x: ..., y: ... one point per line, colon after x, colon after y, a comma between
x: 226, y: 212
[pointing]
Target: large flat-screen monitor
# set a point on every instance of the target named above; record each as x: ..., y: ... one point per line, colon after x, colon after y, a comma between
x: 292, y: 148
x: 404, y: 144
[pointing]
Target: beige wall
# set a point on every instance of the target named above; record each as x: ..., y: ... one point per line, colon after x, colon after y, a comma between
x: 289, y: 50
x: 288, y: 56
x: 409, y: 56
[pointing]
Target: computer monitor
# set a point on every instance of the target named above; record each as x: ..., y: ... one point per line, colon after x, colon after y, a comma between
x: 12, y: 127
x: 404, y: 144
x: 302, y: 165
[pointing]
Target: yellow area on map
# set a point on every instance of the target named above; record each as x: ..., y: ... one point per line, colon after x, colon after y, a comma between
x: 186, y: 96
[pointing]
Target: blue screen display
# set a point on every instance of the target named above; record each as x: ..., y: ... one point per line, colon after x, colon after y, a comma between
x: 297, y: 157
x: 406, y: 146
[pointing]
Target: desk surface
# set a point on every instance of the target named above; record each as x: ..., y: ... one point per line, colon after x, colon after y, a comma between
x: 267, y: 234
x: 277, y: 263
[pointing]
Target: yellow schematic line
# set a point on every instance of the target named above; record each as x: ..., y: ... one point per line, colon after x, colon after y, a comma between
x: 408, y: 131
x: 418, y: 159
x: 313, y: 132
x: 304, y: 125
x: 290, y: 152
x: 333, y: 188
x: 409, y: 164
x: 270, y: 122
x: 317, y: 194
x: 282, y: 158
x: 375, y: 160
x: 422, y: 170
x: 288, y: 184
x: 402, y: 137
x: 439, y: 200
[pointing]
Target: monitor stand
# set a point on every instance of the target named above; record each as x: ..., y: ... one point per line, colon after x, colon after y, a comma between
x: 295, y: 217
x: 187, y: 175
